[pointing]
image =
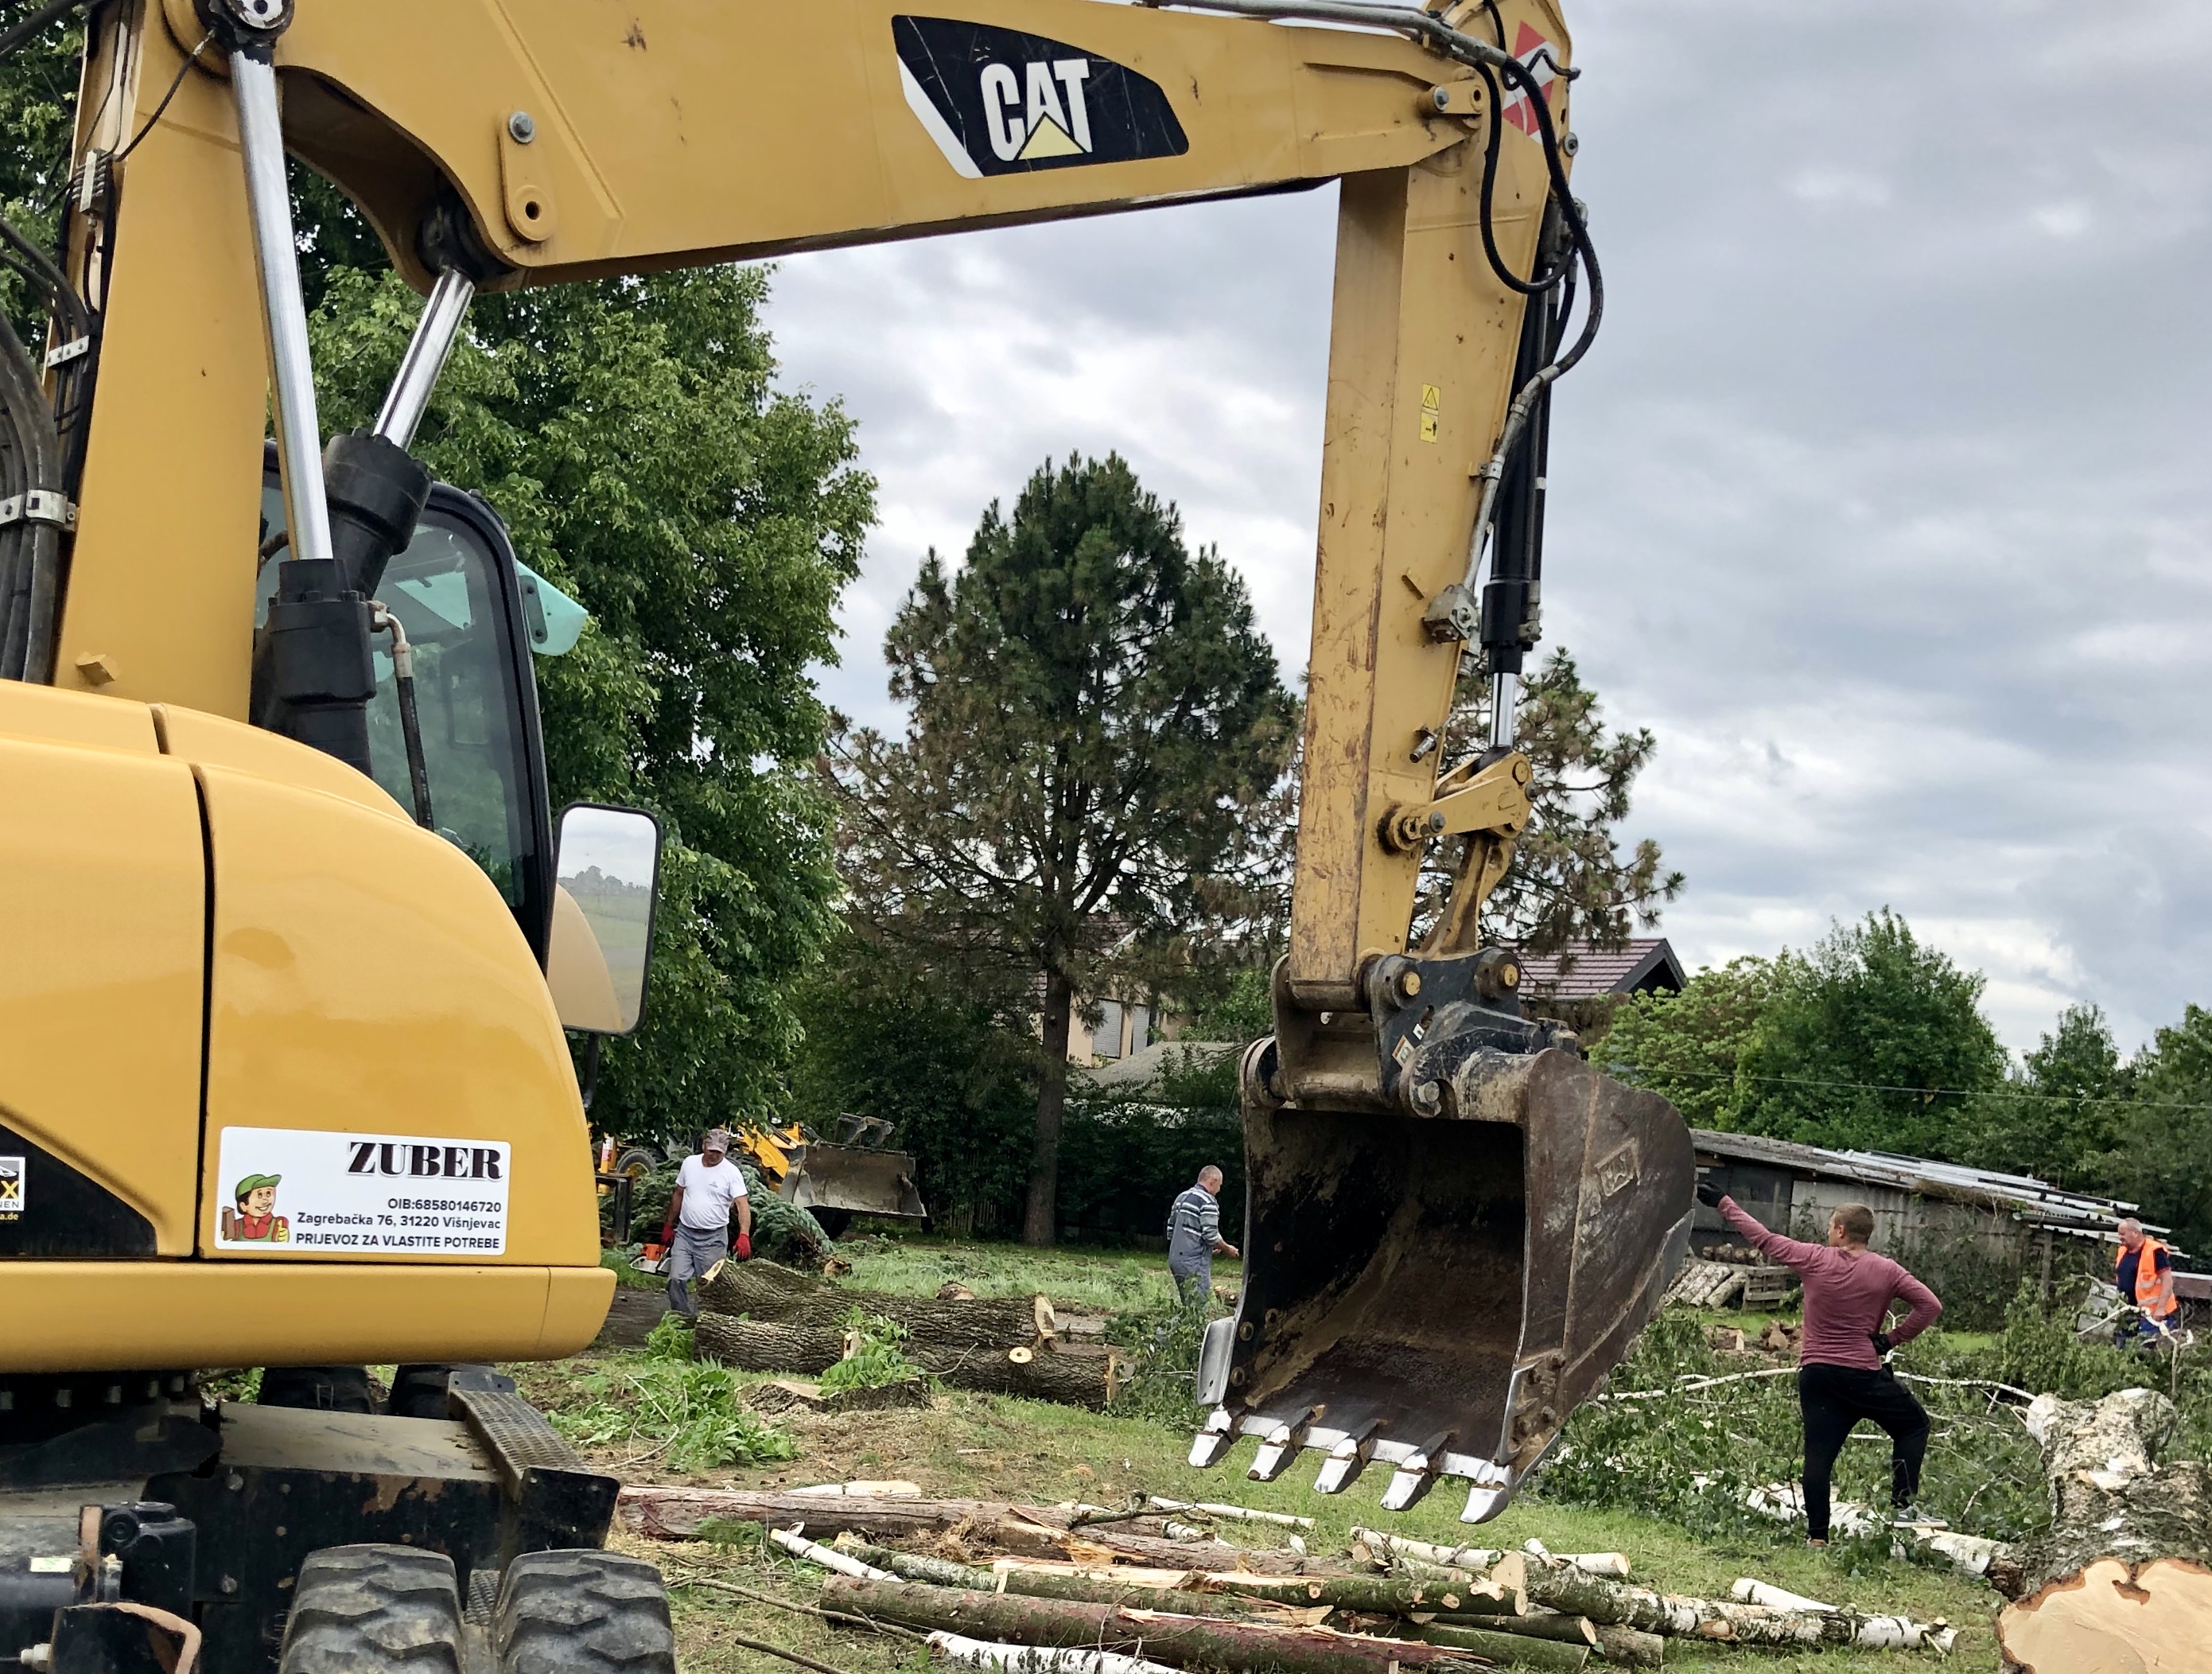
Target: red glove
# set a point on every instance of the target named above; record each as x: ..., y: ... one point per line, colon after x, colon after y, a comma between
x: 745, y: 1246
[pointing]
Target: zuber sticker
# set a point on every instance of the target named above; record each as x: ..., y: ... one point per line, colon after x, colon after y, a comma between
x: 12, y: 1202
x: 376, y: 1194
x: 997, y: 101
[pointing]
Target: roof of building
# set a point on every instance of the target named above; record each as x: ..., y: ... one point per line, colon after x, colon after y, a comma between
x: 1580, y: 972
x: 2036, y: 1201
x: 1141, y: 1069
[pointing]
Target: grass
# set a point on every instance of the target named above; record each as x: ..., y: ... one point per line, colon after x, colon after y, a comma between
x: 996, y: 1447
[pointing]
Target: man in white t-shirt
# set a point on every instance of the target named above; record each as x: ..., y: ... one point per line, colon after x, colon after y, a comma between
x: 707, y: 1187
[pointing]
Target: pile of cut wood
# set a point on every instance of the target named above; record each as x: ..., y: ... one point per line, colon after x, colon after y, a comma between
x: 758, y: 1316
x: 1010, y: 1585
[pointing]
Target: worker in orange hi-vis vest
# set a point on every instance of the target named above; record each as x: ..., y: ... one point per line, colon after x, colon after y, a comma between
x: 2144, y: 1274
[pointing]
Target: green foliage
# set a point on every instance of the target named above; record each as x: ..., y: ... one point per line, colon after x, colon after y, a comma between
x: 2160, y: 1151
x: 882, y: 1038
x: 1161, y: 1381
x: 1094, y: 717
x: 1688, y: 1047
x: 628, y: 432
x: 1568, y: 882
x: 2063, y: 1114
x: 876, y: 1359
x: 669, y: 1340
x: 1244, y: 1009
x: 1125, y: 1155
x: 690, y: 1409
x: 1867, y: 1041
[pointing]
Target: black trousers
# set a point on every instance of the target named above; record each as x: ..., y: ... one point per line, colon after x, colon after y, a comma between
x: 1834, y: 1398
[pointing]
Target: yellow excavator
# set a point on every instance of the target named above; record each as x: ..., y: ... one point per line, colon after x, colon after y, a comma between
x: 284, y: 913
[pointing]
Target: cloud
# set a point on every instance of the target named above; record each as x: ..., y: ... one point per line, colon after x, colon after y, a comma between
x: 1879, y: 500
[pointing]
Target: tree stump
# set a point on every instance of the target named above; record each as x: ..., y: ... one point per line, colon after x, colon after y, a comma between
x: 2121, y: 1581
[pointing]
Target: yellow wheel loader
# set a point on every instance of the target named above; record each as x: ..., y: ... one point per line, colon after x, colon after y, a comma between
x: 289, y: 937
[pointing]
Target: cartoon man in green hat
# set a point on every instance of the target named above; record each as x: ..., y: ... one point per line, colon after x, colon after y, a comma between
x: 255, y: 1219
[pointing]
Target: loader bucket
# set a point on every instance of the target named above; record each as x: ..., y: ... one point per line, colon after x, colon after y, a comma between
x: 852, y: 1179
x: 1439, y: 1293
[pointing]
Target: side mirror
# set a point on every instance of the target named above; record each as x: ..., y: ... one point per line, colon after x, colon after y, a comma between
x: 606, y: 883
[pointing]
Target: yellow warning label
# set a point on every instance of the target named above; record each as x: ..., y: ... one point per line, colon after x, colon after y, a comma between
x: 1433, y: 399
x: 1428, y: 426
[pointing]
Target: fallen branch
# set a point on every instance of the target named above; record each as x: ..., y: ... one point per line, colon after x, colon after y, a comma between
x: 1181, y: 1639
x: 768, y: 1650
x: 1499, y: 1593
x: 1241, y: 1513
x: 713, y: 1584
x: 985, y: 1653
x: 814, y: 1552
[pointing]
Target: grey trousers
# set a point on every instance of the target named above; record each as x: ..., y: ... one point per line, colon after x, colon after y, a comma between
x: 692, y: 1254
x: 1193, y: 1275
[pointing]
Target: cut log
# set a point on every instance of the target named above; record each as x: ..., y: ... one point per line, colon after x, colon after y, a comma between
x: 1240, y: 1513
x: 843, y: 1564
x: 1512, y: 1650
x: 2122, y: 1578
x: 1572, y: 1592
x: 1383, y: 1595
x: 675, y: 1514
x: 1184, y: 1641
x: 1001, y: 1658
x: 1562, y: 1629
x: 1185, y: 1596
x: 1630, y: 1647
x: 770, y: 1294
x: 1069, y: 1376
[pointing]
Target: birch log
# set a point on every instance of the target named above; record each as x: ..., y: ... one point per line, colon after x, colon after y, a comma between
x: 1572, y: 1592
x: 1181, y: 1639
x: 2123, y: 1577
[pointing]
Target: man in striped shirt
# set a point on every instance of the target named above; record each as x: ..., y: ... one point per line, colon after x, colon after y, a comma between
x: 1195, y: 1234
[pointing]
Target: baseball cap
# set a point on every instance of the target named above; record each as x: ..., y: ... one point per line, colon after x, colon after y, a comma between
x: 255, y: 1181
x: 718, y: 1139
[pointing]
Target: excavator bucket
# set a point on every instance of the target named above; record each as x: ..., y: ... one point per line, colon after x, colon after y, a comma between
x: 852, y: 1179
x: 1437, y: 1293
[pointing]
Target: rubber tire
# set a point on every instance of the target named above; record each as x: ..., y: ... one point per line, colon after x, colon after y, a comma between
x: 374, y: 1609
x: 834, y: 1223
x: 582, y: 1612
x: 636, y: 1161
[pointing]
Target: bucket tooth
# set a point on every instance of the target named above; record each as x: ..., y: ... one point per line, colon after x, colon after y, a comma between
x: 1416, y: 1474
x: 1345, y: 1461
x: 1485, y: 1500
x: 1213, y: 1440
x: 1279, y: 1446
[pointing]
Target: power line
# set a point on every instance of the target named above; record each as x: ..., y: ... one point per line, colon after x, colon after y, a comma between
x: 1923, y: 1092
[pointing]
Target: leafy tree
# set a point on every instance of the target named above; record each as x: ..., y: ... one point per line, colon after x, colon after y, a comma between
x: 884, y: 1038
x: 628, y: 432
x: 38, y: 117
x: 1569, y: 881
x: 1689, y: 1047
x: 1870, y: 1040
x: 2162, y: 1140
x: 1094, y: 716
x: 2062, y: 1114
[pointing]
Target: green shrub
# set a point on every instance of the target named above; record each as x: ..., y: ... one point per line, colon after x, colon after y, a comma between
x: 877, y: 1360
x: 1162, y: 1382
x: 690, y: 1408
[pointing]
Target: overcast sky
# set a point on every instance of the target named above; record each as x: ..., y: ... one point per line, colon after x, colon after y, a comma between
x: 1882, y: 500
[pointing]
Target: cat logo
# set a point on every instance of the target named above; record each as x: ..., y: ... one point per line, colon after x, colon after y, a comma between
x: 997, y: 102
x: 11, y: 1187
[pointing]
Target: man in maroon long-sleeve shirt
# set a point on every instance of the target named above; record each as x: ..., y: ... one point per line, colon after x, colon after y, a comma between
x: 1841, y: 1377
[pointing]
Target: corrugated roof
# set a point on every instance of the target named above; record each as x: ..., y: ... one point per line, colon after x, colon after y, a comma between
x: 2036, y: 1201
x: 1580, y: 972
